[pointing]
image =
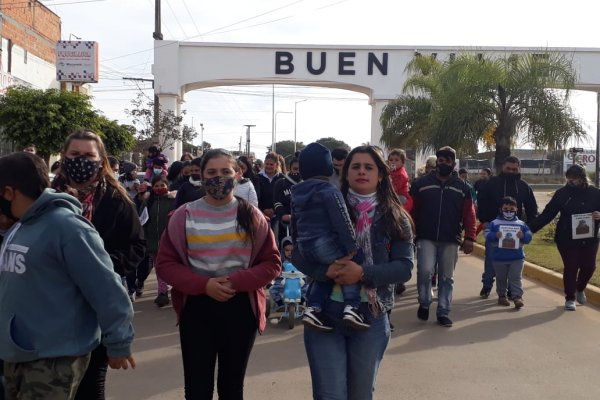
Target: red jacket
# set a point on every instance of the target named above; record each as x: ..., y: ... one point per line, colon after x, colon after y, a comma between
x: 400, y: 185
x: 172, y: 265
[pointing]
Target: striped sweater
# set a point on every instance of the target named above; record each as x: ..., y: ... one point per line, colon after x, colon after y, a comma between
x: 214, y: 246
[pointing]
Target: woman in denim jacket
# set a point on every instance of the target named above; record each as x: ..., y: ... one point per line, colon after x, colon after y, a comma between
x: 344, y: 362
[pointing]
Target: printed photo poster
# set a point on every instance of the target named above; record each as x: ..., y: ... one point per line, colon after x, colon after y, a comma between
x: 509, y: 239
x: 582, y: 225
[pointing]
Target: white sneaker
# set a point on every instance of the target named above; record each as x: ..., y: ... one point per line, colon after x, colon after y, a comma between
x: 354, y: 319
x: 581, y: 297
x: 570, y: 305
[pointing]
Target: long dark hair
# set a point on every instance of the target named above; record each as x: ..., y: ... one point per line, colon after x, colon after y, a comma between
x: 61, y: 181
x: 387, y: 201
x: 245, y: 212
x: 249, y: 174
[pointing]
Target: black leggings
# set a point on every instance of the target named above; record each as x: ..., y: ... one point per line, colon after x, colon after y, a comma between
x: 93, y: 383
x: 211, y: 330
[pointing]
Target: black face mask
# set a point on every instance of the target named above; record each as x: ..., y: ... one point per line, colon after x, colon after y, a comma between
x: 444, y: 169
x: 80, y: 169
x: 511, y: 176
x: 295, y: 177
x: 5, y: 208
x: 195, y: 177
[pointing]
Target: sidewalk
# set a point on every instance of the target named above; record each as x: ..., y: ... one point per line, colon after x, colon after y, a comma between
x: 539, y: 352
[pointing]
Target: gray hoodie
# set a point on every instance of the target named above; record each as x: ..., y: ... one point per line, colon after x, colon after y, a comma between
x: 58, y: 290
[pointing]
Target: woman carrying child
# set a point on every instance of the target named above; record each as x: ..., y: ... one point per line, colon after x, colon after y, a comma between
x: 344, y: 362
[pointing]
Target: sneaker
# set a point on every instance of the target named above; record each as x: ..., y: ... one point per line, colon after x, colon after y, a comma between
x: 423, y: 313
x: 570, y: 305
x: 132, y: 297
x: 392, y: 327
x: 314, y: 319
x: 139, y: 291
x: 581, y: 297
x: 400, y: 288
x: 162, y: 300
x: 518, y: 302
x: 485, y: 292
x: 444, y: 321
x: 503, y: 301
x: 354, y: 318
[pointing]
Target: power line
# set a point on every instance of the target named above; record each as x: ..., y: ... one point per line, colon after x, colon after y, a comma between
x: 191, y: 17
x: 53, y: 4
x: 176, y: 19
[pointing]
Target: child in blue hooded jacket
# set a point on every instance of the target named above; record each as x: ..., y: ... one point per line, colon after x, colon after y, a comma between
x: 323, y: 232
x: 507, y: 234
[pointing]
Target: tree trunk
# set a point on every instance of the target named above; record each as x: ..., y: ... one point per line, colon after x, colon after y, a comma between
x: 502, y: 137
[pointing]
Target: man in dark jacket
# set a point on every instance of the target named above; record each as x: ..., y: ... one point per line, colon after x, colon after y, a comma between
x: 282, y: 194
x: 442, y: 207
x: 489, y: 201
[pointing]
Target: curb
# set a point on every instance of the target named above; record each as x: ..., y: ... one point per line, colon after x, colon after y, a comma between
x: 546, y: 276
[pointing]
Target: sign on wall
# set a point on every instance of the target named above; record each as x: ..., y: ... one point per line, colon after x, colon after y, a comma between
x: 586, y: 158
x: 76, y: 61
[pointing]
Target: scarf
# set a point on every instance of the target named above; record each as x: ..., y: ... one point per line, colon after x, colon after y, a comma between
x: 364, y: 206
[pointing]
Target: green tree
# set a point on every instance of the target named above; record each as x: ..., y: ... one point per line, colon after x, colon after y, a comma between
x: 43, y: 117
x: 333, y: 143
x: 169, y: 128
x: 286, y: 148
x: 118, y: 138
x: 474, y: 98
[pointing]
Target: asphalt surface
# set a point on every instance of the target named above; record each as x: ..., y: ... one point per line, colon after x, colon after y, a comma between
x: 491, y: 352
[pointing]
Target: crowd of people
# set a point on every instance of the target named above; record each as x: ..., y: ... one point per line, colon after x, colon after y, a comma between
x: 81, y: 241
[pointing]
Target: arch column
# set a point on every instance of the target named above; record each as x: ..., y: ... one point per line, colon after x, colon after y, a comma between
x: 376, y: 110
x: 171, y: 102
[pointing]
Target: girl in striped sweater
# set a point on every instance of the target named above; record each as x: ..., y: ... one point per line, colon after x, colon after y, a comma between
x: 218, y: 253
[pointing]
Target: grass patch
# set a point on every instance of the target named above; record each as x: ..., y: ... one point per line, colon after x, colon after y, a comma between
x: 543, y: 252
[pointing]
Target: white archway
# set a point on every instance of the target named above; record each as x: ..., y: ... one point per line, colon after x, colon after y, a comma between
x: 377, y: 71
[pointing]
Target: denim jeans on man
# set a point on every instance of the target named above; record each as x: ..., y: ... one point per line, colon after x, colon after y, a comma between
x: 340, y: 361
x: 445, y: 254
x: 489, y: 273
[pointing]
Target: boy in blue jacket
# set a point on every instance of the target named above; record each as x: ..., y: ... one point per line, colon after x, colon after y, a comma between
x: 507, y: 234
x: 58, y: 290
x: 322, y: 230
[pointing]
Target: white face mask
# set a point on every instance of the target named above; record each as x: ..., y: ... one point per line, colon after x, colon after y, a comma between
x: 508, y: 214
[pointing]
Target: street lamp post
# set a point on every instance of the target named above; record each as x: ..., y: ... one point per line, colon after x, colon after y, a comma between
x: 202, y: 138
x: 275, y: 129
x: 295, y: 120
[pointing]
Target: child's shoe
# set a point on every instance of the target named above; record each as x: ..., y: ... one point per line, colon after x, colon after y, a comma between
x: 354, y: 318
x: 518, y: 302
x: 315, y: 320
x: 162, y: 300
x: 503, y: 301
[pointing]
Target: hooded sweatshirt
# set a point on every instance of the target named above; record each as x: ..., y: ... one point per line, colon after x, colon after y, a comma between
x: 58, y: 290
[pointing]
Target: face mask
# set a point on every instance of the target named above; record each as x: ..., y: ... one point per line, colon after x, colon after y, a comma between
x: 511, y: 176
x: 80, y: 169
x: 160, y: 191
x: 157, y: 171
x: 508, y: 215
x: 116, y: 175
x: 295, y: 176
x: 5, y: 208
x: 444, y: 169
x: 219, y: 187
x: 574, y: 184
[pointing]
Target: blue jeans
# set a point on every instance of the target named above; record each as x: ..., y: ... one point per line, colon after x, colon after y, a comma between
x: 321, y: 291
x: 344, y: 363
x: 323, y: 250
x: 508, y: 275
x: 487, y: 278
x: 445, y: 255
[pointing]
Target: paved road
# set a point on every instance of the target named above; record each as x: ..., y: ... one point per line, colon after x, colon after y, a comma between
x: 540, y: 352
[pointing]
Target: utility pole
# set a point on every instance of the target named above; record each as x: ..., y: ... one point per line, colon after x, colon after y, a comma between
x: 157, y: 35
x: 295, y: 120
x: 240, y: 148
x: 202, y: 138
x: 248, y: 139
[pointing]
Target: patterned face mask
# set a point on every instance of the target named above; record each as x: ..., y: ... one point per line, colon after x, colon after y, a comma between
x: 219, y: 187
x: 80, y: 169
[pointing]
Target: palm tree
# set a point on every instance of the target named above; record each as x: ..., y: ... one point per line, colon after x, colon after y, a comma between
x: 457, y: 102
